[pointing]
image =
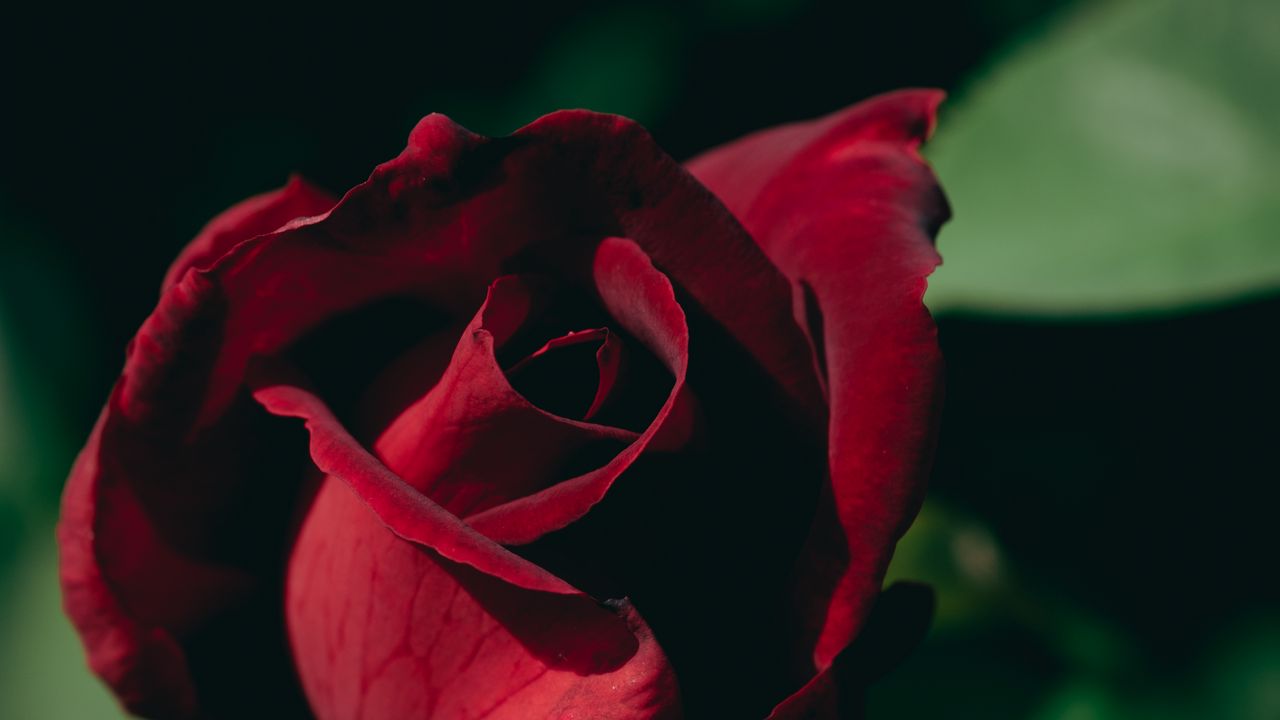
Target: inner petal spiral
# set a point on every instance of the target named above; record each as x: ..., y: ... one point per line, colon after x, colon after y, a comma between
x: 572, y: 375
x: 473, y: 441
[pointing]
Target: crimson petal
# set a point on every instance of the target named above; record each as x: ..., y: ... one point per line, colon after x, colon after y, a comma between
x: 845, y: 206
x: 143, y: 664
x: 405, y: 511
x: 898, y: 623
x: 641, y: 299
x: 608, y: 358
x: 383, y: 629
x: 473, y: 442
x: 249, y: 218
x: 410, y: 608
x: 437, y: 222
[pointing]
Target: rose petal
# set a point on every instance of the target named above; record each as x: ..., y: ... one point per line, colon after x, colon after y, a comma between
x: 608, y: 360
x: 898, y: 622
x: 642, y: 301
x: 408, y: 377
x: 847, y: 209
x: 473, y: 442
x: 146, y: 561
x: 405, y: 511
x: 440, y: 221
x: 384, y: 629
x: 144, y: 666
x: 255, y: 216
x: 608, y: 365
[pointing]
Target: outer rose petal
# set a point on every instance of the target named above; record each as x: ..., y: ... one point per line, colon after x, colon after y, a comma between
x: 255, y: 216
x: 408, y: 513
x: 384, y: 629
x: 898, y: 623
x: 134, y: 580
x: 440, y: 221
x: 144, y: 666
x: 847, y: 209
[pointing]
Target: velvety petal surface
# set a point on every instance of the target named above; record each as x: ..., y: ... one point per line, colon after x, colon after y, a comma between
x: 408, y: 513
x: 382, y: 627
x: 641, y: 300
x: 846, y: 207
x: 473, y: 442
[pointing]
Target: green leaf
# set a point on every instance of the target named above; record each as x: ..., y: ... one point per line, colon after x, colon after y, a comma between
x: 1127, y: 160
x: 43, y: 344
x: 1244, y: 673
x: 42, y: 351
x: 42, y: 669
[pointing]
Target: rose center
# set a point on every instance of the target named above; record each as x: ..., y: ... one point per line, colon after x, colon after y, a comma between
x: 572, y: 375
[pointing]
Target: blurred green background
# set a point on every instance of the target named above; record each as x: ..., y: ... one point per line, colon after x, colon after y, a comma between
x: 1100, y: 523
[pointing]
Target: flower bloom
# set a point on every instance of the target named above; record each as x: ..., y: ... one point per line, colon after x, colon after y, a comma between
x: 536, y: 426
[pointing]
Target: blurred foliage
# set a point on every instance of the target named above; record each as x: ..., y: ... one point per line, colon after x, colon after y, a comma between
x: 42, y: 672
x: 1000, y: 648
x: 42, y: 342
x: 1100, y: 528
x: 1125, y: 159
x: 1097, y: 527
x: 620, y: 59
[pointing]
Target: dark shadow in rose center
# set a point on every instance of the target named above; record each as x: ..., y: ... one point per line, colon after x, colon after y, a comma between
x: 704, y: 541
x: 563, y: 381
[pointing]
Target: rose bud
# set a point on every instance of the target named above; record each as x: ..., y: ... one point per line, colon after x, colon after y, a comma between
x: 543, y: 426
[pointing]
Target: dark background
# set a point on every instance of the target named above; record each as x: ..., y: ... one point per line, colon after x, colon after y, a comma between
x: 1100, y: 523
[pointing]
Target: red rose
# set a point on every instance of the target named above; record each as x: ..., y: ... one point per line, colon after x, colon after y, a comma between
x: 585, y: 440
